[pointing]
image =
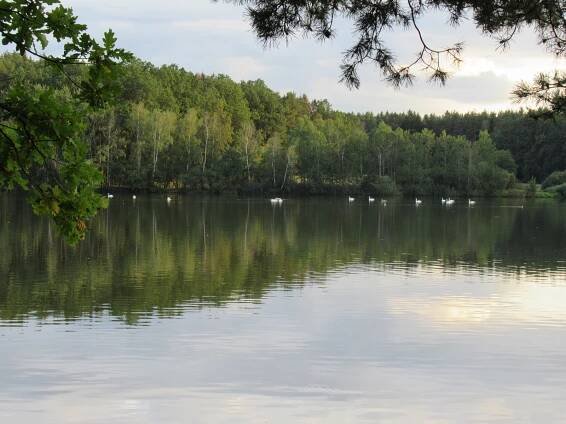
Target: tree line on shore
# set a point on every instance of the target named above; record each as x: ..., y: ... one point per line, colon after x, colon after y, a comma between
x: 173, y: 129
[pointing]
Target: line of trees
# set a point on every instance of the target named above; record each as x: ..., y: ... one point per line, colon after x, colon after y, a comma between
x: 537, y: 145
x: 173, y: 129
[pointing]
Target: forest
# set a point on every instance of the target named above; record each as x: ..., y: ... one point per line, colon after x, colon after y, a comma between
x: 171, y: 129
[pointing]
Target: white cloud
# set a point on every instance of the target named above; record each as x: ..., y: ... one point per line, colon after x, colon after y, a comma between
x: 206, y: 25
x: 515, y: 70
x: 244, y: 68
x: 480, y: 92
x: 214, y: 37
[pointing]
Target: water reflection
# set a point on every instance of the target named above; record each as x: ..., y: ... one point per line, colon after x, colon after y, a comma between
x: 215, y: 310
x: 150, y: 256
x: 359, y: 349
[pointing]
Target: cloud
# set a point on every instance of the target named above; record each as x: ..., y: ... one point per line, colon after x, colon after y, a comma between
x: 484, y: 88
x: 215, y: 37
x: 484, y: 91
x: 206, y: 25
x: 244, y: 68
x: 512, y: 68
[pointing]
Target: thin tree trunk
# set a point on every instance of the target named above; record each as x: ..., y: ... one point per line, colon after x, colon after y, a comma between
x: 273, y: 162
x: 317, y: 165
x: 469, y: 165
x: 188, y: 147
x: 138, y: 146
x: 342, y: 164
x: 205, y: 147
x: 108, y: 165
x: 108, y: 141
x: 155, y: 154
x: 286, y: 169
x: 248, y: 162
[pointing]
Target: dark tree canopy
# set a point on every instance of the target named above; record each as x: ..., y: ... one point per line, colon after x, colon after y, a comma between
x: 275, y: 20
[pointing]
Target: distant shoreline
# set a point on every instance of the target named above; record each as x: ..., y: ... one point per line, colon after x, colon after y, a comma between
x: 300, y: 191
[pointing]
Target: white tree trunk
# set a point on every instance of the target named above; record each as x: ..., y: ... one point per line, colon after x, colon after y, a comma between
x: 205, y: 146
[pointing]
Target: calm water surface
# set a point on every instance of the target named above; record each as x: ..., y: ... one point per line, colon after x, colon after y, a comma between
x: 227, y: 310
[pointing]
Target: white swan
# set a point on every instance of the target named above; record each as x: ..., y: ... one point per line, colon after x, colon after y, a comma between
x: 443, y: 200
x: 350, y: 199
x: 418, y: 202
x: 276, y: 200
x: 110, y: 196
x: 134, y: 197
x: 169, y: 199
x: 471, y: 202
x: 384, y: 202
x: 450, y: 201
x: 371, y: 199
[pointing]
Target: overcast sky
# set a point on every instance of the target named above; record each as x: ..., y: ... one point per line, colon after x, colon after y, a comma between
x: 203, y: 36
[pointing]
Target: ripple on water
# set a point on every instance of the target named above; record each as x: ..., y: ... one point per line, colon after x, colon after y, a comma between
x: 215, y: 311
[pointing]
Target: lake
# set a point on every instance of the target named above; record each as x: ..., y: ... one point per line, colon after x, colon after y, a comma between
x: 214, y: 310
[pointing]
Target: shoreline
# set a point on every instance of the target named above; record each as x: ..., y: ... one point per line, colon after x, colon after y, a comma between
x: 335, y: 191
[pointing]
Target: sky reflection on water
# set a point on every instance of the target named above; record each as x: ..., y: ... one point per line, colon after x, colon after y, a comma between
x: 285, y: 316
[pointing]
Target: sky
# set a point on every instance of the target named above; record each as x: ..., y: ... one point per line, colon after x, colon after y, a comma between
x: 215, y: 37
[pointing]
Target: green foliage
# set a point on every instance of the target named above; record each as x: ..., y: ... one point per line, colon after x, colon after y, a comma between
x: 532, y: 188
x: 195, y: 132
x: 42, y: 147
x: 505, y: 161
x: 382, y: 186
x: 43, y: 153
x: 546, y: 195
x: 554, y: 179
x: 536, y: 146
x: 559, y: 190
